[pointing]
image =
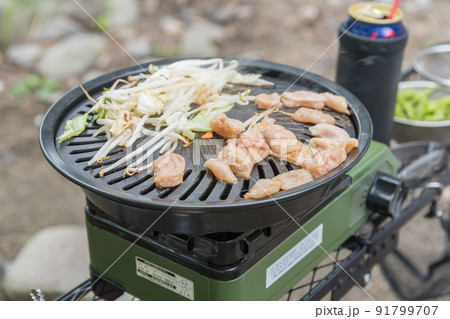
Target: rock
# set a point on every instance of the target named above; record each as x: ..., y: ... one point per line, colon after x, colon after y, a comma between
x: 83, y: 10
x: 187, y: 13
x: 48, y: 8
x: 23, y: 54
x: 3, y: 266
x: 222, y: 15
x: 54, y: 260
x: 74, y: 54
x: 38, y: 119
x: 232, y: 11
x: 57, y: 27
x: 170, y: 25
x: 121, y: 15
x: 201, y: 38
x: 416, y: 5
x: 444, y: 201
x: 138, y: 47
x: 308, y: 13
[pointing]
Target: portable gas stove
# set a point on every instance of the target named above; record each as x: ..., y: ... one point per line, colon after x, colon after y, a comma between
x: 206, y: 242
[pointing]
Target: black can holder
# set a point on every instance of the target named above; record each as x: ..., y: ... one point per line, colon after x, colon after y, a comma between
x: 370, y: 69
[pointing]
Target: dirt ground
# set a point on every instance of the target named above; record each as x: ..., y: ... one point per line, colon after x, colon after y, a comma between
x: 33, y: 196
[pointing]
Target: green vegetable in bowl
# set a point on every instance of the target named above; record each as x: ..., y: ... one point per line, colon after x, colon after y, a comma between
x: 418, y: 105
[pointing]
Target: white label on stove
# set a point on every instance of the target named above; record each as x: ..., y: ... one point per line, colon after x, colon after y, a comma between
x: 165, y: 278
x: 294, y: 255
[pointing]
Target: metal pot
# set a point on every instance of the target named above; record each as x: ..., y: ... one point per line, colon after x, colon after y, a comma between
x: 433, y: 64
x: 410, y: 130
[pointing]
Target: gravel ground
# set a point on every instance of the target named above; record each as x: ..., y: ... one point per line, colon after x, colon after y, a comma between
x: 33, y: 196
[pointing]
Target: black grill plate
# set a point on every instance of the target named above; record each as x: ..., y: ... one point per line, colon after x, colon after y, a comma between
x: 201, y: 204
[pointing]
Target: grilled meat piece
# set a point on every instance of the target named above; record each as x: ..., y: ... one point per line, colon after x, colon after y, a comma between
x: 329, y: 131
x: 243, y: 153
x: 265, y: 101
x: 303, y: 98
x: 326, y: 161
x: 238, y: 159
x: 221, y: 170
x: 304, y: 153
x: 226, y: 127
x: 280, y: 140
x: 253, y: 142
x: 325, y: 143
x: 293, y: 178
x: 169, y: 170
x: 263, y: 124
x: 306, y: 115
x: 264, y: 187
x: 335, y: 102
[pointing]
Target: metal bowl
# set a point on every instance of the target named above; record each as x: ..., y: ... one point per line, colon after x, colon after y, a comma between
x: 433, y: 64
x: 409, y: 130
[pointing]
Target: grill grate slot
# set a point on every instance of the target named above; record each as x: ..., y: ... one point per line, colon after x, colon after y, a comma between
x: 148, y: 189
x: 86, y: 142
x: 209, y: 190
x: 118, y: 179
x: 88, y: 158
x: 261, y: 172
x: 226, y: 191
x: 89, y: 134
x: 191, y: 189
x: 170, y: 190
x: 138, y: 182
x: 106, y: 162
x: 84, y: 150
x: 245, y: 187
x: 117, y: 169
x: 274, y: 167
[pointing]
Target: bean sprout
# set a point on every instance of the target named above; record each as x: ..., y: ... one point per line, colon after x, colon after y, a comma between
x: 166, y: 99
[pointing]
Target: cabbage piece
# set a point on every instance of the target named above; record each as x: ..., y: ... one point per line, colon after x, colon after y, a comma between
x: 202, y: 121
x: 149, y: 104
x: 74, y: 127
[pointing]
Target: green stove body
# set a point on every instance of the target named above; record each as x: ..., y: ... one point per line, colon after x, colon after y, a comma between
x: 149, y: 270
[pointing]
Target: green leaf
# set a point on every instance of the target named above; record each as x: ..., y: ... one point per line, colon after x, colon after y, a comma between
x: 99, y: 115
x: 44, y: 96
x: 73, y: 127
x: 32, y: 81
x: 19, y: 90
x: 50, y: 85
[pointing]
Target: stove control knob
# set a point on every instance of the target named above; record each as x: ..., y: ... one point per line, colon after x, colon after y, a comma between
x: 386, y: 194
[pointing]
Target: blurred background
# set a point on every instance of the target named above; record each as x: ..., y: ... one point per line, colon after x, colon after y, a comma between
x: 50, y: 46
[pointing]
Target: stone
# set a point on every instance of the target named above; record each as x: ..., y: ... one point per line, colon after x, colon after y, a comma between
x: 201, y: 38
x: 73, y: 55
x: 23, y: 54
x: 308, y: 13
x: 55, y: 260
x: 121, y: 15
x: 57, y: 27
x: 170, y: 25
x: 444, y: 201
x: 138, y: 47
x: 82, y: 10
